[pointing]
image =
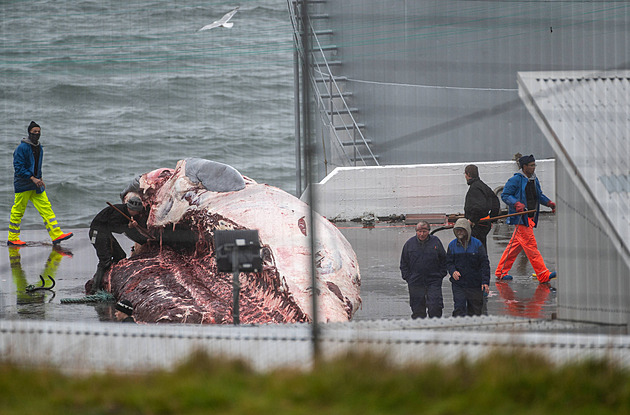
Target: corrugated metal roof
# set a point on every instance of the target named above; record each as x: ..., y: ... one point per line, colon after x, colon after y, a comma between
x: 586, y: 119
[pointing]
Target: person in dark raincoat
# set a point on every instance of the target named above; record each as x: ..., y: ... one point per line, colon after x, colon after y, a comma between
x: 481, y: 202
x: 423, y: 266
x: 107, y: 222
x: 467, y: 262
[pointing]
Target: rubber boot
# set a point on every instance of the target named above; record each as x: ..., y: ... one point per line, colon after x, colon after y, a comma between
x: 97, y: 280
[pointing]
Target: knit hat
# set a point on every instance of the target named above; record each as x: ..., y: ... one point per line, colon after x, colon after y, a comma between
x: 125, y: 307
x: 526, y: 160
x: 134, y: 203
x: 32, y: 125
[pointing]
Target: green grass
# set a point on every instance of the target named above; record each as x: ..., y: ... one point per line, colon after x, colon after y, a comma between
x: 500, y: 384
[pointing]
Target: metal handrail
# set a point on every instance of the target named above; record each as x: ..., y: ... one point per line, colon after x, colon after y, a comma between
x: 327, y: 113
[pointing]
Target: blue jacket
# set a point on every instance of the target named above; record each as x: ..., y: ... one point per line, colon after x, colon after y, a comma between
x: 472, y: 263
x: 514, y: 191
x: 24, y: 165
x: 423, y: 261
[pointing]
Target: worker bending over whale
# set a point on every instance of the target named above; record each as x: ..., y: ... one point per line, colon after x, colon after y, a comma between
x: 124, y: 218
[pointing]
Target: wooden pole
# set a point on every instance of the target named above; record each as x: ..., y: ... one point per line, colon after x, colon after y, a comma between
x: 485, y: 220
x: 143, y: 231
x: 508, y: 215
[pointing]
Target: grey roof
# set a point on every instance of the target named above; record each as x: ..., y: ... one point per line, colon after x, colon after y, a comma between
x: 586, y: 119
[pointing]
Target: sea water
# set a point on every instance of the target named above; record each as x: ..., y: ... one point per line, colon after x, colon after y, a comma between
x: 122, y: 88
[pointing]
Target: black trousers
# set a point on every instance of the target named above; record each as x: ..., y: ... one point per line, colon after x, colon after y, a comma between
x: 108, y: 250
x: 481, y: 231
x: 467, y: 301
x: 425, y: 297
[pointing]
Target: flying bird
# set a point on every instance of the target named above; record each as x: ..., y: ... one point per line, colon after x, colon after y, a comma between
x: 222, y: 22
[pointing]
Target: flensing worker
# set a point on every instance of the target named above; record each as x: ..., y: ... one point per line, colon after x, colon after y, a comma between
x: 467, y: 262
x: 423, y: 266
x: 523, y: 192
x: 481, y: 202
x: 28, y: 185
x: 108, y: 221
x: 124, y: 312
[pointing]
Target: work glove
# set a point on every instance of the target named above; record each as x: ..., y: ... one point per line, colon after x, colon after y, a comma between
x: 552, y: 206
x: 520, y: 207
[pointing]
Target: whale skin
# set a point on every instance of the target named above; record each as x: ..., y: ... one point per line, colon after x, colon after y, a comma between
x: 174, y: 278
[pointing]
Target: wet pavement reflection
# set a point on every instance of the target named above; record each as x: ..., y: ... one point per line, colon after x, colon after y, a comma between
x: 383, y: 291
x: 29, y: 296
x: 69, y: 264
x: 385, y: 294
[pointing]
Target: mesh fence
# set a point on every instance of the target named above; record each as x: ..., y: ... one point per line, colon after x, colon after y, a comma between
x: 369, y: 112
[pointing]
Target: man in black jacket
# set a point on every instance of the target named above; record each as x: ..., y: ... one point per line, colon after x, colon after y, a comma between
x: 114, y: 219
x: 423, y: 266
x: 481, y: 202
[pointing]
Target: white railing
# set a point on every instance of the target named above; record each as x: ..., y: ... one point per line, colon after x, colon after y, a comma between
x: 331, y: 101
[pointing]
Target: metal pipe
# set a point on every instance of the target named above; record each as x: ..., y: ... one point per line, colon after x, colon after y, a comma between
x: 298, y: 146
x: 236, y: 287
x: 309, y: 161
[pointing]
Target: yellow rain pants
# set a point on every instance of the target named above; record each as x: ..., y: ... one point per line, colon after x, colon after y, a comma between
x: 19, y: 276
x: 41, y: 203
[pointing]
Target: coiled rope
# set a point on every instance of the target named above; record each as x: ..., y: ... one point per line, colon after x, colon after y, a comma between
x: 101, y: 296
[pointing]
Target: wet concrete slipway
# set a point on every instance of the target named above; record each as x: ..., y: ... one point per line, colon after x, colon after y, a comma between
x: 384, y: 293
x: 37, y: 328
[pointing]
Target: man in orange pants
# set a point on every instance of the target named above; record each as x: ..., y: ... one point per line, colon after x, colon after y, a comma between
x: 523, y: 192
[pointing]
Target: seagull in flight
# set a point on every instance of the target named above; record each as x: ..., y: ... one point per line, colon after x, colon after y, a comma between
x: 222, y: 22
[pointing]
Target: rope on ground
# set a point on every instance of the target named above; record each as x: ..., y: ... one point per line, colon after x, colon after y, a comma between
x: 101, y: 296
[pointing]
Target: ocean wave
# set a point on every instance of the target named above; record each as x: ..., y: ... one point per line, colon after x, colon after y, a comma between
x: 122, y: 91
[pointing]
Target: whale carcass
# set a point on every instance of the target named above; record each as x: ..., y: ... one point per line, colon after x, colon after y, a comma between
x: 175, y: 278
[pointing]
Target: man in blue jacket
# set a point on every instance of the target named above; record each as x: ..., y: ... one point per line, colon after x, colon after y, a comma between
x: 423, y: 266
x: 467, y: 262
x: 29, y: 186
x: 521, y: 193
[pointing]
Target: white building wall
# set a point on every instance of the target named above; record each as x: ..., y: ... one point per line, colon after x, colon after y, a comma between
x: 594, y: 281
x: 352, y: 192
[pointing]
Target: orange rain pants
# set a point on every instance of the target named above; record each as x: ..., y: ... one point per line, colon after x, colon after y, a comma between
x: 523, y: 239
